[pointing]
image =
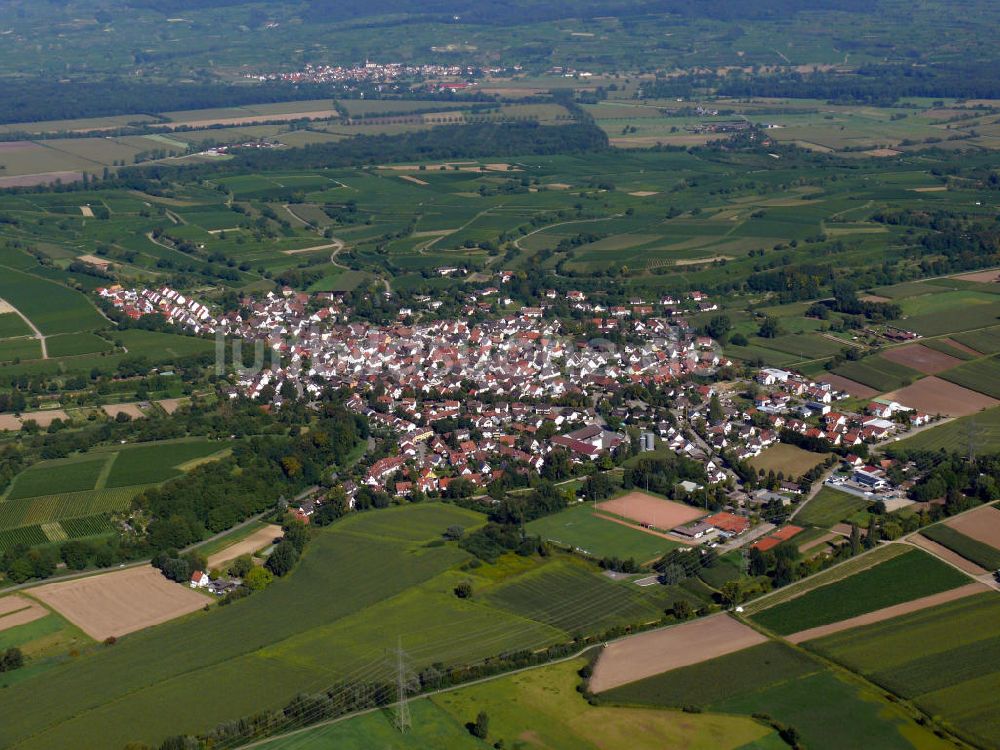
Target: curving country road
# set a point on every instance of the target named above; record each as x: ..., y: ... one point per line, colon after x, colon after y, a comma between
x: 34, y: 329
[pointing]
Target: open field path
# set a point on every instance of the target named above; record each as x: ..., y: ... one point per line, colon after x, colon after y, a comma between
x: 338, y: 245
x: 34, y: 329
x: 887, y: 613
x: 517, y: 242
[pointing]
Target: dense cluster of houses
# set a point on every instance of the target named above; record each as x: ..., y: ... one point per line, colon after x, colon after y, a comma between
x: 169, y: 303
x: 788, y: 399
x: 374, y: 72
x: 502, y: 434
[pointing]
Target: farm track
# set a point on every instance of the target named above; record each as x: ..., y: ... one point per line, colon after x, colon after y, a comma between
x: 888, y: 613
x: 37, y: 334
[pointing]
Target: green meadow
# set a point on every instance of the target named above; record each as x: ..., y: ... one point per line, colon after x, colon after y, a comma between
x: 364, y: 583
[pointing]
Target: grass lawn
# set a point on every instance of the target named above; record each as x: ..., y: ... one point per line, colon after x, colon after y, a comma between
x: 971, y: 549
x: 908, y: 576
x: 830, y: 507
x: 789, y: 459
x: 542, y: 709
x: 945, y: 659
x: 578, y: 527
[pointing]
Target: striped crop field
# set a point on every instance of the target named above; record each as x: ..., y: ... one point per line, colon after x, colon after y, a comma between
x: 46, y: 508
x: 29, y: 536
x: 54, y: 532
x: 78, y: 528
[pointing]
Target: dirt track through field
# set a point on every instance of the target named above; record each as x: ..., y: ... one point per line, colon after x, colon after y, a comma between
x: 31, y: 612
x: 982, y: 524
x: 120, y: 602
x: 939, y: 550
x: 27, y: 321
x: 12, y: 604
x: 888, y: 613
x: 659, y: 651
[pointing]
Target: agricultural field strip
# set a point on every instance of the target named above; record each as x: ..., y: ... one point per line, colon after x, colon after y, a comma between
x: 888, y: 613
x: 831, y: 575
x: 900, y: 579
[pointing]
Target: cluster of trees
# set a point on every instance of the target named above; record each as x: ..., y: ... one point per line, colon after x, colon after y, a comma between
x: 11, y: 659
x: 662, y: 473
x: 216, y: 496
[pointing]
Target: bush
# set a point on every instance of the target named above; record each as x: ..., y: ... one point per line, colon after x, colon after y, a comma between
x: 258, y: 579
x: 283, y: 559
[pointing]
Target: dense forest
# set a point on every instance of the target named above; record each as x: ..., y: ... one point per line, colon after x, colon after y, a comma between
x: 871, y: 84
x: 446, y: 142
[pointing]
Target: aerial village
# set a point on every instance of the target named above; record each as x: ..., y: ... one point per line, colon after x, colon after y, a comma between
x: 470, y: 401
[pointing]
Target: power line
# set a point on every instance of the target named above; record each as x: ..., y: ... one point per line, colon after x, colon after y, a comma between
x: 402, y: 705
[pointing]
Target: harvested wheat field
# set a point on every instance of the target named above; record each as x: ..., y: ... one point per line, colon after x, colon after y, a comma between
x: 170, y: 405
x: 16, y: 610
x: 887, y: 613
x: 981, y: 277
x: 44, y: 418
x: 935, y: 396
x: 854, y: 388
x: 650, y: 511
x: 9, y: 422
x: 256, y: 541
x: 922, y: 359
x: 658, y: 651
x: 122, y: 602
x: 982, y: 524
x: 131, y: 410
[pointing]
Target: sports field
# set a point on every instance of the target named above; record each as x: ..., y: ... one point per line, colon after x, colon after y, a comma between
x: 944, y: 659
x: 910, y: 575
x: 580, y: 528
x: 649, y: 510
